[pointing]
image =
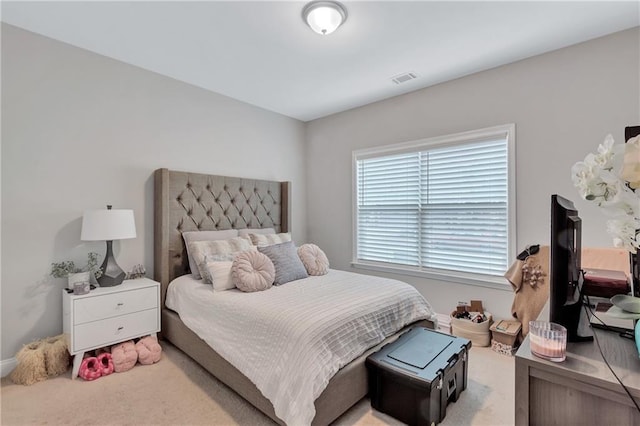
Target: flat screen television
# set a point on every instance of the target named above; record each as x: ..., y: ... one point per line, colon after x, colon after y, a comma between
x: 565, y: 274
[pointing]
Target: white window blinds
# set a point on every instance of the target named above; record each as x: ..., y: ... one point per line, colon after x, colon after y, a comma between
x: 435, y: 208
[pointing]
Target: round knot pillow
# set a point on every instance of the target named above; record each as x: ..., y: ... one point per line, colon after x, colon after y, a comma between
x: 313, y: 259
x: 252, y: 271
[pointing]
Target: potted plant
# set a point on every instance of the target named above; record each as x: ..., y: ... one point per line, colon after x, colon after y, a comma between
x: 67, y: 269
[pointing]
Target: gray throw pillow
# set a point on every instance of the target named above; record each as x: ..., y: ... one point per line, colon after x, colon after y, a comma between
x: 285, y: 258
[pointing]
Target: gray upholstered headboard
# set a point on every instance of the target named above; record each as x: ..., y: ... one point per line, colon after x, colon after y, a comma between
x: 199, y: 202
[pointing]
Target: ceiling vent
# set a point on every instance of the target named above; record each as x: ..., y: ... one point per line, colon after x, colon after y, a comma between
x: 403, y: 78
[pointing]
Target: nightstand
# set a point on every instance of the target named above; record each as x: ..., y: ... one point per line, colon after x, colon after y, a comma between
x: 109, y: 315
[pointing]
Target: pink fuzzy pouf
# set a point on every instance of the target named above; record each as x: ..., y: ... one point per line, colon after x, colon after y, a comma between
x: 124, y: 356
x: 149, y: 350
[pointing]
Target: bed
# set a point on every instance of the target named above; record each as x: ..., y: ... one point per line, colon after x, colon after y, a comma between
x: 200, y: 202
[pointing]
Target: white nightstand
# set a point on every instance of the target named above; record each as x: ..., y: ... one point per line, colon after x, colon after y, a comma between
x: 109, y: 315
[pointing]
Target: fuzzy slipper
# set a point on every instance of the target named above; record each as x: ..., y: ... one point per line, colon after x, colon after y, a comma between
x: 31, y: 366
x: 90, y: 369
x: 149, y: 350
x: 124, y: 356
x: 56, y: 355
x: 106, y: 363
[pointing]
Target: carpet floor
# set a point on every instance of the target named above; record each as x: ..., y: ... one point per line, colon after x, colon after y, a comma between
x: 177, y: 391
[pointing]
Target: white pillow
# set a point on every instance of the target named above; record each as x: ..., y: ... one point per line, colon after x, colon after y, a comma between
x: 313, y: 259
x: 220, y: 273
x: 262, y: 240
x: 252, y: 271
x: 191, y: 236
x: 246, y: 231
x: 204, y: 251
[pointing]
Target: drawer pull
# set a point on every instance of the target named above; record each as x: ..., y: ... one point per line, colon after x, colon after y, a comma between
x: 119, y: 329
x: 119, y: 304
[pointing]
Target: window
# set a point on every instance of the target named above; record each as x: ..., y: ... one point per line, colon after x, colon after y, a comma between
x: 440, y: 207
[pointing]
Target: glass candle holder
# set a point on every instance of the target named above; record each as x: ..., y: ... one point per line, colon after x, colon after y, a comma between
x: 548, y: 340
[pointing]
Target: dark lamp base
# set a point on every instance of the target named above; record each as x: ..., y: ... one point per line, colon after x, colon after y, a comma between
x: 112, y: 274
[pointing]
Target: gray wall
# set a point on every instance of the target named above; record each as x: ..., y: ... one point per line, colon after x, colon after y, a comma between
x: 563, y: 104
x: 79, y: 131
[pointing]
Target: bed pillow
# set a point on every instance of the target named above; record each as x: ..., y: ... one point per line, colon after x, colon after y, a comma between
x: 260, y: 231
x: 191, y: 236
x: 285, y: 259
x: 262, y: 240
x: 313, y: 259
x: 205, y: 270
x: 204, y: 251
x: 252, y: 271
x: 220, y: 274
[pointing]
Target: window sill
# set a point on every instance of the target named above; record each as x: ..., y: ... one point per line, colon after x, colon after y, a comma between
x: 477, y: 280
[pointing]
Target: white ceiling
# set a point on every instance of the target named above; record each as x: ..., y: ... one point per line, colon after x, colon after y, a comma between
x: 262, y: 53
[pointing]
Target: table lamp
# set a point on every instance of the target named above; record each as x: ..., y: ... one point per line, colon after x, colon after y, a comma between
x: 108, y: 225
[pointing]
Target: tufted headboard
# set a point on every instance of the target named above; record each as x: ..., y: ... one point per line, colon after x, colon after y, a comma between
x: 199, y: 202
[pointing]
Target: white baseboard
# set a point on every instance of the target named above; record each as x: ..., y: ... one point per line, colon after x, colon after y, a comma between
x: 444, y: 323
x: 7, y: 366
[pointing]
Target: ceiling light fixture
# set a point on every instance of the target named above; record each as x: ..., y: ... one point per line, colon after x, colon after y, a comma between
x: 324, y: 17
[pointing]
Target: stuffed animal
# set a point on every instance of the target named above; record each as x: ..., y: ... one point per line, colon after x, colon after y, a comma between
x: 149, y: 350
x: 124, y: 356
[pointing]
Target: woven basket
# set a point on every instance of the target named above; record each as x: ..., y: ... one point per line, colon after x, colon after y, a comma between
x: 478, y: 333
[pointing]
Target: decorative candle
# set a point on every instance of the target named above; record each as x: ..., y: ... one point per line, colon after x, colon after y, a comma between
x: 548, y: 340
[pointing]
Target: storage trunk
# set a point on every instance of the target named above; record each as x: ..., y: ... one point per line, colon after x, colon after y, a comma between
x: 414, y: 378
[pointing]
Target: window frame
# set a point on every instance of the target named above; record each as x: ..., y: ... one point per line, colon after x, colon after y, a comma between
x: 507, y: 131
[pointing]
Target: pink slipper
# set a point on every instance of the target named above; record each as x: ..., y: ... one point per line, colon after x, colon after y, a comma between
x: 90, y: 369
x: 124, y: 356
x: 105, y: 363
x: 148, y: 350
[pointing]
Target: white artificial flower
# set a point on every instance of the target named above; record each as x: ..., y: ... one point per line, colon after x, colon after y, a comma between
x: 617, y: 158
x: 631, y: 165
x: 606, y: 147
x: 619, y: 200
x: 623, y: 231
x: 617, y: 242
x: 600, y: 178
x: 586, y: 178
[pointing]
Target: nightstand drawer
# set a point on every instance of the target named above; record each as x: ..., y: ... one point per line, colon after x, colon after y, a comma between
x: 114, y: 330
x: 110, y: 305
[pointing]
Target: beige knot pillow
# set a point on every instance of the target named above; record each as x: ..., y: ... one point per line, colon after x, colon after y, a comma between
x: 313, y: 259
x: 252, y: 271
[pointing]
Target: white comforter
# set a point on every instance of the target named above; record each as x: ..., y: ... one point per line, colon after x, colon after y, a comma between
x: 291, y: 339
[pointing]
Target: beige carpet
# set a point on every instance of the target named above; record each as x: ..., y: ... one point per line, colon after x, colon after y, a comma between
x: 176, y: 391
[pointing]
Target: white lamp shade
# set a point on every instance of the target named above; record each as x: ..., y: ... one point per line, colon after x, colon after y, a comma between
x: 324, y: 17
x: 107, y: 225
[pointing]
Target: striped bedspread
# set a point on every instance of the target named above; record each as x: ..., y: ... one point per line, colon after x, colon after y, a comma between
x: 291, y: 339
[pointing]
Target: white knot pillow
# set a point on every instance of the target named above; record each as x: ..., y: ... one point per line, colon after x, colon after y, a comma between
x: 252, y: 271
x: 313, y: 259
